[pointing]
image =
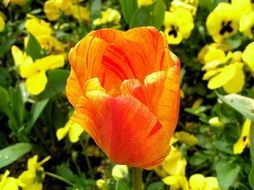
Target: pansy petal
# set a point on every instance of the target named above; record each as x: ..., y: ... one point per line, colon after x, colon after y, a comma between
x: 36, y: 83
x: 248, y: 56
x: 235, y: 85
x: 226, y: 74
x: 75, y: 131
x: 62, y: 132
x: 50, y: 62
x: 244, y: 139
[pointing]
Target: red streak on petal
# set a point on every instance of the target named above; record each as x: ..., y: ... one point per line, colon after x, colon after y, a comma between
x: 155, y: 129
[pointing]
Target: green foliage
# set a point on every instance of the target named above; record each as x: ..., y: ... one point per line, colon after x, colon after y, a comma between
x: 13, y: 152
x: 152, y: 15
x: 251, y: 174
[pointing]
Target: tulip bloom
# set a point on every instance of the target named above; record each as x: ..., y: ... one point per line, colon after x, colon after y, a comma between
x: 124, y: 87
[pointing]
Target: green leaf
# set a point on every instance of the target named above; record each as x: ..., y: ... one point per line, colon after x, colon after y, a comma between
x: 4, y: 100
x: 242, y: 104
x: 56, y: 83
x: 128, y: 9
x: 33, y: 48
x: 223, y: 146
x: 37, y: 109
x: 17, y: 108
x: 95, y: 9
x: 197, y: 159
x: 5, y: 46
x: 12, y: 153
x: 158, y: 185
x: 151, y: 15
x: 64, y: 171
x: 251, y: 174
x: 121, y: 185
x: 226, y: 173
x: 158, y: 14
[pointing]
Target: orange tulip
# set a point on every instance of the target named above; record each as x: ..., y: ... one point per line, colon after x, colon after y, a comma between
x: 124, y: 87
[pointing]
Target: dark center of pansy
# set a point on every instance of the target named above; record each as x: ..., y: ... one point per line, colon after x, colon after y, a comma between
x: 252, y: 29
x: 173, y: 31
x: 226, y: 27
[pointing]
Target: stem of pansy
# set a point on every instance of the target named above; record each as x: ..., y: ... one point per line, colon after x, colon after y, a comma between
x: 59, y: 178
x: 137, y: 178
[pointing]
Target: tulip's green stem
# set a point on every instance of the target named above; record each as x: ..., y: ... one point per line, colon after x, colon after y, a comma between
x: 137, y: 178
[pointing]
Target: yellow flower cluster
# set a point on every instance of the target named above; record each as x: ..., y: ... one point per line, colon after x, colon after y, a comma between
x: 43, y: 33
x: 9, y: 183
x: 178, y: 21
x: 54, y: 8
x: 17, y: 2
x: 244, y: 139
x: 225, y: 70
x: 34, y: 71
x: 31, y: 179
x: 222, y: 25
x: 173, y: 169
x: 108, y: 16
x: 73, y: 129
x: 2, y: 21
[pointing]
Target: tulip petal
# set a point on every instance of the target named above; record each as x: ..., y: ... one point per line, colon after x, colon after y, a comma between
x: 80, y: 58
x: 126, y: 49
x: 125, y: 129
x: 169, y: 100
x: 160, y: 93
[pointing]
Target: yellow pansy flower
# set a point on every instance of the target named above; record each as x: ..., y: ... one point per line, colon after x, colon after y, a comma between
x: 200, y: 182
x: 223, y: 70
x: 178, y: 25
x: 173, y: 165
x: 189, y: 5
x: 145, y: 2
x: 2, y: 22
x: 176, y: 182
x: 43, y: 33
x: 244, y: 139
x: 80, y: 13
x: 35, y: 71
x: 230, y: 77
x: 186, y: 138
x: 73, y: 129
x: 17, y: 2
x: 220, y: 24
x: 244, y: 6
x: 32, y: 178
x: 209, y: 47
x: 52, y: 10
x: 9, y: 183
x: 247, y: 25
x: 108, y: 16
x: 248, y: 56
x: 37, y: 27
